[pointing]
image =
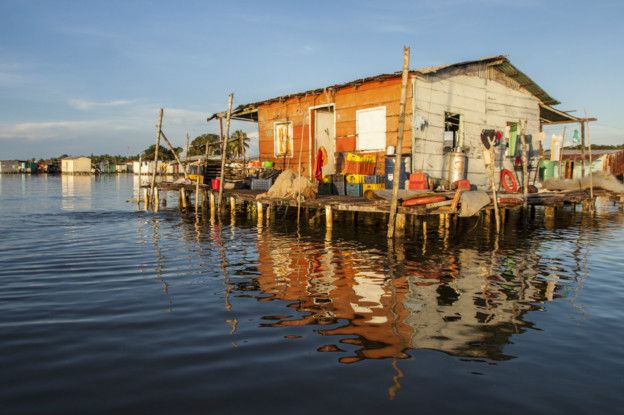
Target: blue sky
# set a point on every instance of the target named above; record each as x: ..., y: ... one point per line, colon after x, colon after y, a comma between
x: 82, y: 77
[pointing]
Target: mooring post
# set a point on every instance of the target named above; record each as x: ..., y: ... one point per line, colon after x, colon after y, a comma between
x: 269, y: 212
x: 156, y: 199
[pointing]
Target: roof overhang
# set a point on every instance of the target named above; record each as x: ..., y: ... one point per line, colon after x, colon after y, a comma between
x: 553, y: 116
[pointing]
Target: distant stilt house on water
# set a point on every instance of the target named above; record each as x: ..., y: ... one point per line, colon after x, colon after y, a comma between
x: 9, y: 166
x: 608, y: 161
x: 448, y: 108
x: 76, y: 165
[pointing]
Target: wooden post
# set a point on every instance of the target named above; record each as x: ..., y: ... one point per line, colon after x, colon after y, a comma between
x: 213, y: 208
x: 183, y: 197
x: 583, y: 148
x: 196, y: 190
x: 145, y: 198
x: 156, y: 199
x: 260, y: 214
x: 224, y: 143
x: 525, y: 166
x: 400, y: 222
x: 186, y: 155
x: 591, y: 174
x: 175, y: 155
x: 493, y: 182
x: 399, y: 144
x: 329, y: 223
x: 561, y: 150
x: 269, y: 212
x: 158, y: 131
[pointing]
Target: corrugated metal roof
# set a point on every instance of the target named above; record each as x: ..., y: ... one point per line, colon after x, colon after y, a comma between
x: 500, y: 62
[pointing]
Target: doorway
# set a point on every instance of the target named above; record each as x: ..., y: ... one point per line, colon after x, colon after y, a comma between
x: 325, y: 136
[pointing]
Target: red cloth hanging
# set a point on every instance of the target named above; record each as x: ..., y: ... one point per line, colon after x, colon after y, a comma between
x: 318, y: 168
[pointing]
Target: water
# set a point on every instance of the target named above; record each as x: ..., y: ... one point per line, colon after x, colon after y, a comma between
x: 108, y: 309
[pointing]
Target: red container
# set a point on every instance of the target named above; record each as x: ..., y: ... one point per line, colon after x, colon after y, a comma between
x: 419, y: 176
x: 418, y: 185
x: 463, y: 184
x: 215, y: 184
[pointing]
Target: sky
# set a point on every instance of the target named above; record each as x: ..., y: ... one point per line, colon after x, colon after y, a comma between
x: 88, y: 77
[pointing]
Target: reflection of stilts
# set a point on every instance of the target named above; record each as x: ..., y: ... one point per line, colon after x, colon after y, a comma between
x: 159, y: 266
x: 396, y: 258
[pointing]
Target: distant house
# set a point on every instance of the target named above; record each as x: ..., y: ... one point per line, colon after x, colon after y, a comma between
x: 76, y: 165
x: 448, y: 107
x: 121, y: 168
x: 147, y: 167
x: 608, y: 161
x: 9, y: 166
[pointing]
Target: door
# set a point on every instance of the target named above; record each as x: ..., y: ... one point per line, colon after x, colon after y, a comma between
x: 325, y: 136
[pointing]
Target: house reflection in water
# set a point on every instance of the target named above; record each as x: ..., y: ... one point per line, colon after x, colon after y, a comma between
x: 456, y: 301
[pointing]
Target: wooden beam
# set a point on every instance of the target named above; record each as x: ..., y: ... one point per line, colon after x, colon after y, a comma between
x: 399, y: 146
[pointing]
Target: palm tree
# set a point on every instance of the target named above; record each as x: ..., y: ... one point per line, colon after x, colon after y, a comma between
x: 238, y: 144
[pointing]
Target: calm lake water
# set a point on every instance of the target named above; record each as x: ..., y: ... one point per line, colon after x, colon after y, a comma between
x: 108, y: 309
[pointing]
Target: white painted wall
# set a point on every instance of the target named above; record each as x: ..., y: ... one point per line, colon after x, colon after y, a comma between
x: 483, y: 104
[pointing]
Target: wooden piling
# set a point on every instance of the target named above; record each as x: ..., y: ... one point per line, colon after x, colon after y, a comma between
x: 213, y: 208
x: 158, y: 131
x: 224, y: 142
x: 399, y: 146
x: 183, y: 197
x: 156, y: 199
x: 260, y: 214
x: 400, y: 222
x: 525, y: 166
x: 328, y: 217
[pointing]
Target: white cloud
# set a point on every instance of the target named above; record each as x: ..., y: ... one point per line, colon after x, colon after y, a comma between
x: 83, y: 104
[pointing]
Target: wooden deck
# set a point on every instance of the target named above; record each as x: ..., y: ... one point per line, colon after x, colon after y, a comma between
x: 362, y: 204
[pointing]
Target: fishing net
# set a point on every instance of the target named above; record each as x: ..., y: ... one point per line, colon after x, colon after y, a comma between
x: 289, y: 185
x: 601, y: 180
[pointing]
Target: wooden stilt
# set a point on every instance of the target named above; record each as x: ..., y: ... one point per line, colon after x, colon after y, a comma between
x: 213, y: 207
x: 183, y: 197
x: 156, y: 199
x: 328, y: 217
x: 158, y: 131
x: 145, y: 199
x: 260, y: 214
x: 400, y: 223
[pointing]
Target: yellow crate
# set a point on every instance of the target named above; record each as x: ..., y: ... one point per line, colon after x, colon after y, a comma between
x: 355, y: 178
x: 373, y: 186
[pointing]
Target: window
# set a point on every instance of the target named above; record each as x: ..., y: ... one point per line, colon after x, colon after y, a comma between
x: 283, y: 139
x: 452, y: 131
x: 370, y: 127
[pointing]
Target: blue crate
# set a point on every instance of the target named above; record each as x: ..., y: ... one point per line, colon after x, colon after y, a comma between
x: 261, y: 184
x: 325, y: 189
x: 373, y: 179
x: 354, y: 189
